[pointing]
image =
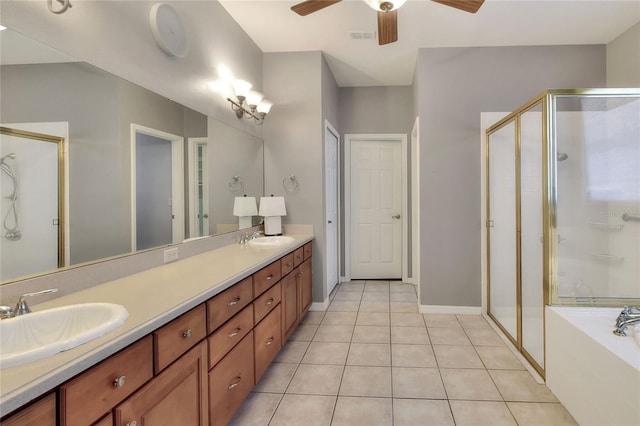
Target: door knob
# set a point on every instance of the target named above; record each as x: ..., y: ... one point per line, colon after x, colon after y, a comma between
x: 206, y: 215
x: 330, y: 222
x: 397, y: 216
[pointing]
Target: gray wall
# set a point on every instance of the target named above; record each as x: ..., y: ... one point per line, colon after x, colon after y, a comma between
x: 294, y: 144
x: 453, y: 86
x: 383, y: 109
x: 379, y: 109
x: 623, y: 59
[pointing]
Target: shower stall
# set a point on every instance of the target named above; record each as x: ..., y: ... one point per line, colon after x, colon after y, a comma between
x: 32, y: 203
x: 563, y: 209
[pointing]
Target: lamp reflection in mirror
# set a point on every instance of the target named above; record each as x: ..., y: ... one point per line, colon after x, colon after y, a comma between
x: 272, y: 209
x: 244, y: 207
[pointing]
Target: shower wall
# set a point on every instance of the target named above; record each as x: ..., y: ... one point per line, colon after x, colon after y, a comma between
x: 36, y: 171
x: 598, y: 253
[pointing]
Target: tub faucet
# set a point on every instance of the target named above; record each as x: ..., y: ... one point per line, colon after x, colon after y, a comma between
x: 629, y: 315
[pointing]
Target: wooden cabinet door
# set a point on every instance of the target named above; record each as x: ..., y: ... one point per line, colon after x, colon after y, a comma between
x: 41, y: 413
x: 230, y: 382
x: 177, y: 396
x: 289, y: 304
x: 306, y: 286
x: 267, y: 341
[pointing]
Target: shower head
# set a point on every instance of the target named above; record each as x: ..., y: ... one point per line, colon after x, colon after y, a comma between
x: 561, y: 156
x: 11, y: 156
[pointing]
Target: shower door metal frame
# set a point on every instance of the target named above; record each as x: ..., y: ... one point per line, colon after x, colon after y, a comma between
x: 549, y: 206
x: 60, y: 141
x: 515, y: 118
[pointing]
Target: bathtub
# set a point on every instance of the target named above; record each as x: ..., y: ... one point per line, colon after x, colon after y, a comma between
x: 594, y: 373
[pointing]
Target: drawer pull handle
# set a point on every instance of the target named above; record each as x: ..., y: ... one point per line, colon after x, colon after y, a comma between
x: 234, y: 384
x: 270, y: 341
x: 120, y: 381
x: 288, y: 264
x: 269, y: 302
x: 235, y: 332
x: 133, y: 423
x: 269, y: 277
x: 234, y: 301
x: 186, y: 334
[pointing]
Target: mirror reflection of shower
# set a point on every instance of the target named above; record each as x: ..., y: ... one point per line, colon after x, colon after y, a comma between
x: 10, y: 221
x: 561, y: 156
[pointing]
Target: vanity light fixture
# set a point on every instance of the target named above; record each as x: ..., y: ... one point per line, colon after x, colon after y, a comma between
x: 249, y: 103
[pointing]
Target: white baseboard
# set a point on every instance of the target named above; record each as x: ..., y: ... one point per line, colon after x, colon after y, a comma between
x: 458, y: 310
x: 316, y: 306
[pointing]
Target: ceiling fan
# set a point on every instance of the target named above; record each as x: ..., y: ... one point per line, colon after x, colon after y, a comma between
x: 387, y: 13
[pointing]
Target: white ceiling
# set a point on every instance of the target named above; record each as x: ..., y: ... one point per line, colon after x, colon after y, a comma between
x: 422, y: 23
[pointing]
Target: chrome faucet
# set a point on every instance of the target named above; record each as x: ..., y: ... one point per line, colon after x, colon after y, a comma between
x: 255, y: 235
x: 629, y: 315
x: 21, y: 306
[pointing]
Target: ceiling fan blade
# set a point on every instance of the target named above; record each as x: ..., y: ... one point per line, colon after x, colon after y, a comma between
x: 470, y: 6
x: 387, y: 27
x: 310, y: 6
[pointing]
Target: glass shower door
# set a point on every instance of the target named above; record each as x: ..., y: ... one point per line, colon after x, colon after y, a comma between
x: 502, y: 238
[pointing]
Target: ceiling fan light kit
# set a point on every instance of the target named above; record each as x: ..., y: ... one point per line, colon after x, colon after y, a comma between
x: 387, y: 12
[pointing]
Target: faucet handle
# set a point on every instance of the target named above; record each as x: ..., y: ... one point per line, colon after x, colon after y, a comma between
x: 22, y: 307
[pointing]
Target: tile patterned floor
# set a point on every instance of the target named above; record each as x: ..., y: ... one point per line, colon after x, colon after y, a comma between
x: 372, y: 359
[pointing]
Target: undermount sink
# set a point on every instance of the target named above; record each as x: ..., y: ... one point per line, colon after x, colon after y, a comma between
x: 274, y: 241
x: 41, y: 334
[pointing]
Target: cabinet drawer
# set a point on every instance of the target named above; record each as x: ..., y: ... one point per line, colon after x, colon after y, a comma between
x: 267, y: 341
x: 105, y: 421
x: 178, y: 337
x: 230, y: 382
x: 298, y: 256
x: 228, y: 303
x: 265, y: 278
x: 265, y: 303
x: 177, y: 396
x: 307, y: 250
x: 227, y: 336
x: 41, y: 413
x: 286, y: 264
x: 89, y: 396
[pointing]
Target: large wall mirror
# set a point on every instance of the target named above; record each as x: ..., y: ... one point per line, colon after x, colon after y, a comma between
x: 139, y: 171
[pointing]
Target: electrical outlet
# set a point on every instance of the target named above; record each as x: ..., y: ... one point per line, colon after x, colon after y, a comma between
x: 171, y: 255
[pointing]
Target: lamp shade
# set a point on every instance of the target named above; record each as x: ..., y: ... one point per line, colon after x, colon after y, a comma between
x: 272, y: 206
x: 241, y: 87
x: 245, y: 206
x: 265, y: 106
x: 254, y: 98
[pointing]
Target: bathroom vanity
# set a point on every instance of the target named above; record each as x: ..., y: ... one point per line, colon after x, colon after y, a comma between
x: 200, y: 334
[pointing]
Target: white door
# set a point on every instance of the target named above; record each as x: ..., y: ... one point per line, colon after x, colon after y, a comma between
x: 331, y: 205
x: 198, y: 172
x: 376, y: 209
x: 156, y: 157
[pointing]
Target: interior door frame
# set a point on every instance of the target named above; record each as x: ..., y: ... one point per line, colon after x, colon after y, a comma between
x: 328, y: 128
x: 177, y: 181
x: 192, y: 143
x: 383, y: 137
x: 415, y: 205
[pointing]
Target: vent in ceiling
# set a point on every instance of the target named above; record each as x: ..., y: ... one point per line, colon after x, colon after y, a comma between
x: 362, y: 35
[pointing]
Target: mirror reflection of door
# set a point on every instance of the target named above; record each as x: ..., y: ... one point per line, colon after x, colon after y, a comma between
x: 157, y: 208
x: 198, y: 172
x: 32, y: 200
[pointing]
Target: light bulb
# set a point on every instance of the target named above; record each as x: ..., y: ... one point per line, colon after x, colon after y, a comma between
x: 241, y: 88
x: 254, y: 98
x: 264, y: 106
x: 375, y: 4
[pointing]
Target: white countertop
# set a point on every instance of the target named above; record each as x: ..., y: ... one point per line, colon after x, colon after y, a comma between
x: 153, y: 298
